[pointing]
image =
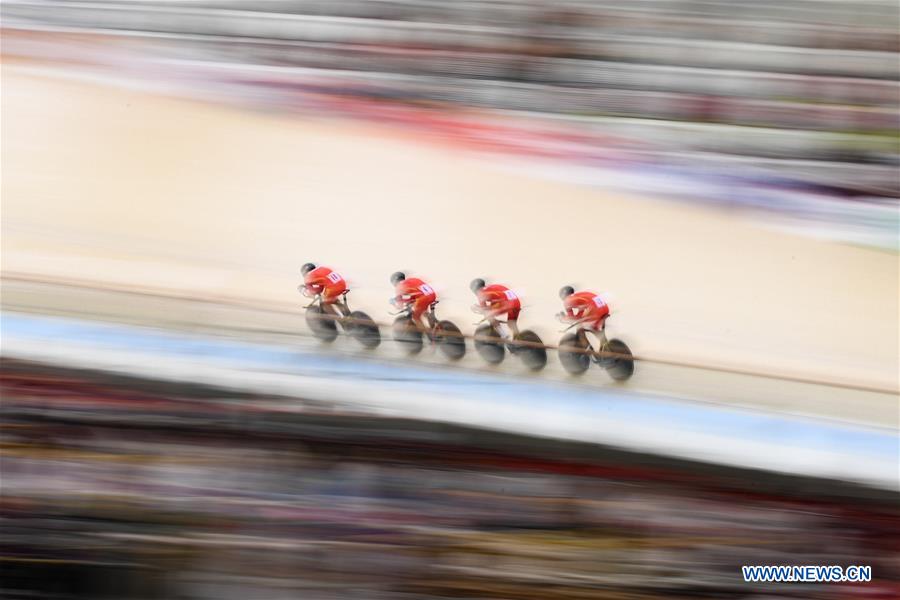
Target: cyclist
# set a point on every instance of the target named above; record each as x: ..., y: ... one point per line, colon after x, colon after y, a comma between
x: 417, y: 295
x: 497, y: 300
x: 588, y: 310
x: 324, y: 282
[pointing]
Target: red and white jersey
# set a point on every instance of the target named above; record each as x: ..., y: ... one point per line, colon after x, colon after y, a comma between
x: 323, y: 279
x: 412, y: 289
x: 498, y: 300
x: 586, y: 306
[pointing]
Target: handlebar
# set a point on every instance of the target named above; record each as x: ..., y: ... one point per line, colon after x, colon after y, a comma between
x: 316, y: 298
x: 305, y: 291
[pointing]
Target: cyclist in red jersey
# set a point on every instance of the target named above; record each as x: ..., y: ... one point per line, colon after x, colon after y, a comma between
x: 496, y: 300
x: 588, y: 310
x: 322, y: 281
x: 419, y: 296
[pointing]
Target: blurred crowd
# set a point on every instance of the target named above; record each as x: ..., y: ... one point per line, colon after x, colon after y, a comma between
x: 123, y: 488
x: 802, y: 92
x: 798, y: 90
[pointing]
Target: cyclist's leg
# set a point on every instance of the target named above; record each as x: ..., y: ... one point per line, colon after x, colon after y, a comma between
x: 420, y: 310
x: 342, y: 306
x: 513, y: 327
x: 493, y: 322
x: 582, y: 337
x: 601, y: 338
x: 599, y: 331
x: 329, y: 309
x: 512, y: 321
x: 497, y: 325
x: 417, y: 322
x: 331, y: 303
x: 429, y: 314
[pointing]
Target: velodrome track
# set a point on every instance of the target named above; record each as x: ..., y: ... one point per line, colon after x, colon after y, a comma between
x: 284, y: 327
x: 304, y: 379
x: 119, y: 191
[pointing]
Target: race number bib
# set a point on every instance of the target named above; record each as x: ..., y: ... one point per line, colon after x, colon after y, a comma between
x: 599, y: 301
x: 510, y: 295
x: 334, y: 277
x: 426, y: 289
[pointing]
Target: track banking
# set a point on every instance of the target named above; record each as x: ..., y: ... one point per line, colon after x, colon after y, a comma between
x: 806, y: 574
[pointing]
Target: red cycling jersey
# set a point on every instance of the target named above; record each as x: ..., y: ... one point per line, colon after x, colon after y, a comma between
x: 323, y: 280
x: 416, y: 292
x: 499, y: 300
x: 588, y: 307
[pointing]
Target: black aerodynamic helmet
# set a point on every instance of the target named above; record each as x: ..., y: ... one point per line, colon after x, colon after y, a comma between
x: 566, y: 291
x: 398, y: 277
x: 476, y: 285
x: 307, y: 268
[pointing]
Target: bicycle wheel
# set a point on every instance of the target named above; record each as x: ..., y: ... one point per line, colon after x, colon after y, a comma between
x: 364, y: 329
x: 407, y: 335
x: 450, y: 340
x: 621, y: 367
x: 321, y: 323
x: 534, y: 355
x: 573, y: 354
x: 490, y: 349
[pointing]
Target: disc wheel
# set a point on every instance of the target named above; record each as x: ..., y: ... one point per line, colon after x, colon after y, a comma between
x: 533, y: 353
x: 363, y: 329
x: 321, y: 323
x: 407, y: 335
x: 450, y: 340
x: 489, y: 344
x: 573, y: 354
x: 621, y: 367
